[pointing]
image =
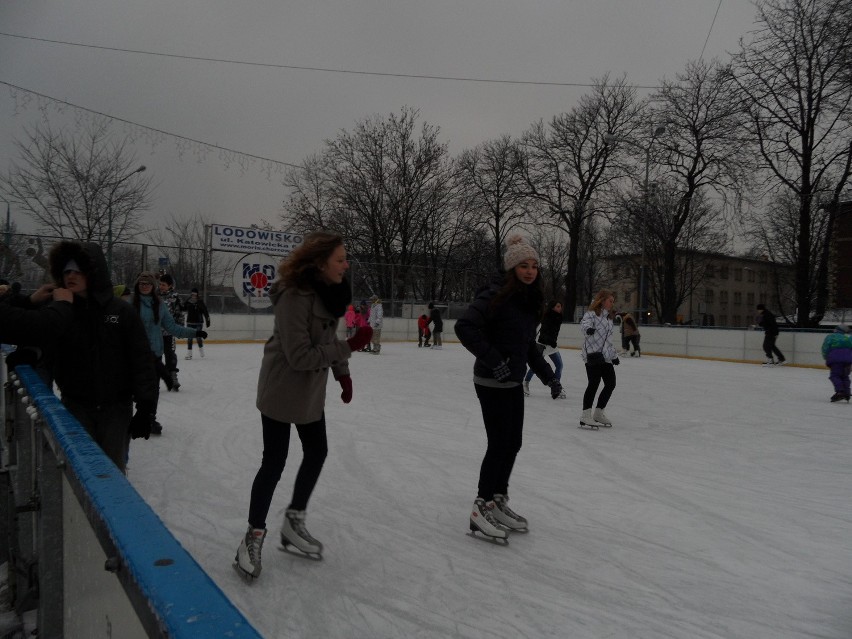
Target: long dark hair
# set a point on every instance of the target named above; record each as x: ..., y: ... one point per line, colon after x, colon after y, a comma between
x: 531, y: 294
x: 301, y: 267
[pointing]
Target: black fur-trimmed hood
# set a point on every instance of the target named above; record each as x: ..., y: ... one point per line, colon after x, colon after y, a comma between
x: 90, y: 258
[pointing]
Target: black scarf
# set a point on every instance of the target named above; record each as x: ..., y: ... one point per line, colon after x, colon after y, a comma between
x: 335, y: 297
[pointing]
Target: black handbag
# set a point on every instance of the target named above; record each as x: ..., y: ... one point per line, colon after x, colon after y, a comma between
x: 595, y: 359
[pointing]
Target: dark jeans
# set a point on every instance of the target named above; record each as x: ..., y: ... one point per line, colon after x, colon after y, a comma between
x: 627, y: 341
x: 770, y: 349
x: 503, y: 415
x: 276, y: 443
x: 197, y: 327
x: 595, y: 374
x: 108, y: 425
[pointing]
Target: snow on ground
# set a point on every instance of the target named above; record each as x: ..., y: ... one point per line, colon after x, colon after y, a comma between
x: 719, y: 506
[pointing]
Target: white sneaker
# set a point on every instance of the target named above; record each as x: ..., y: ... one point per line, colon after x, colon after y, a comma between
x: 294, y: 533
x: 248, y: 554
x: 508, y: 517
x: 201, y: 352
x: 482, y: 519
x: 188, y: 355
x: 527, y: 389
x: 599, y: 416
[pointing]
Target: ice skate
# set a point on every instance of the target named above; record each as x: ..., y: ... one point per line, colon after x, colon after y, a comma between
x: 508, y: 517
x: 296, y: 539
x: 526, y: 389
x: 201, y: 352
x: 839, y: 397
x: 781, y: 362
x: 587, y: 421
x: 188, y: 355
x: 599, y: 416
x: 482, y: 521
x: 156, y: 428
x: 247, y: 562
x: 175, y: 383
x: 769, y: 362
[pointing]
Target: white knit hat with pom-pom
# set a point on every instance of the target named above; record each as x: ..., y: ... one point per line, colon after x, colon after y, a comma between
x: 518, y: 250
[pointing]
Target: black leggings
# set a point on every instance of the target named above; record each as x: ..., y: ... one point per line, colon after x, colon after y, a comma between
x: 605, y: 372
x: 276, y: 443
x: 503, y: 414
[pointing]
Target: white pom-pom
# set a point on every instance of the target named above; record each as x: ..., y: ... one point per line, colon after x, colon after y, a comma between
x: 514, y: 239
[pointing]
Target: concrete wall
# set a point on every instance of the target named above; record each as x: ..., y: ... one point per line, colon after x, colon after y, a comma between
x: 801, y: 348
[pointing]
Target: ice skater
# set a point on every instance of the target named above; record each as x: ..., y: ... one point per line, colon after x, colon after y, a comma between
x: 196, y: 313
x: 600, y: 358
x: 548, y: 334
x: 630, y: 335
x: 770, y: 330
x: 498, y: 328
x: 309, y: 297
x: 437, y: 326
x: 837, y: 353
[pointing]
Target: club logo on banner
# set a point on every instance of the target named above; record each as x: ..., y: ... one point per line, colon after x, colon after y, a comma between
x: 253, y: 277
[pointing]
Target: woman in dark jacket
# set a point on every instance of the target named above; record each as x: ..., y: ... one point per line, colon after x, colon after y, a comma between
x: 547, y: 337
x: 499, y: 329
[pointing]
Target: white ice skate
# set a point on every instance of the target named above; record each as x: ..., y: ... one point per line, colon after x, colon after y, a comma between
x: 247, y: 563
x: 482, y: 521
x: 599, y: 416
x: 296, y: 539
x: 188, y: 355
x: 508, y: 517
x: 587, y: 421
x: 769, y: 362
x: 201, y: 352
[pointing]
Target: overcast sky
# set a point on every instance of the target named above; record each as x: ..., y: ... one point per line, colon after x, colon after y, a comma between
x: 285, y: 114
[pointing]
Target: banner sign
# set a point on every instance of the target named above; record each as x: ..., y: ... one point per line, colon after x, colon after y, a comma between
x: 253, y: 276
x: 240, y: 240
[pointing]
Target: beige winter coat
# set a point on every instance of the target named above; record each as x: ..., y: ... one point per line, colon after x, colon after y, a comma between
x: 296, y: 359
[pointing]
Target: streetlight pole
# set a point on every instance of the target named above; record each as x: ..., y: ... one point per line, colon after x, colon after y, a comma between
x: 109, y: 218
x: 658, y: 131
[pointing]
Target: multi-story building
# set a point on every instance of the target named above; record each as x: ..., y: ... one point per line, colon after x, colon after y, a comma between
x: 726, y: 296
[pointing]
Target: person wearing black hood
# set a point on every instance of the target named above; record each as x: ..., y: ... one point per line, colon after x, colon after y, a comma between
x: 499, y: 330
x: 100, y: 358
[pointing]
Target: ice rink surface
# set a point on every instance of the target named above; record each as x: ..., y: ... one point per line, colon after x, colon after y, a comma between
x: 719, y: 505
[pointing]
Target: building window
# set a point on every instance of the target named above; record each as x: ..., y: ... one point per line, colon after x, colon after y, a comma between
x: 750, y: 299
x: 711, y: 271
x: 723, y: 296
x: 750, y: 275
x: 763, y: 277
x: 738, y: 297
x: 762, y: 298
x: 738, y: 275
x: 723, y: 272
x: 708, y: 295
x: 736, y: 320
x: 723, y: 320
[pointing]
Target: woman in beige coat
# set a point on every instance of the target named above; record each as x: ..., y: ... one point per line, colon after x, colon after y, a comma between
x: 310, y: 296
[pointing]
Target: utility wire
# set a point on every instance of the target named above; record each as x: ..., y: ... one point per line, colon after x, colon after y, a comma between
x: 149, y: 128
x: 719, y: 6
x: 322, y: 69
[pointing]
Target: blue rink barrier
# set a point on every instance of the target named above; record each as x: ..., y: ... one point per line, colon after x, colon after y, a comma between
x: 162, y: 584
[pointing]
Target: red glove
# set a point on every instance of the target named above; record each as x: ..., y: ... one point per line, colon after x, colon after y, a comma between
x: 360, y: 339
x: 346, y: 385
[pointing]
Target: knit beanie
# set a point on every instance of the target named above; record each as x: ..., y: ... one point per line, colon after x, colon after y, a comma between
x: 147, y: 277
x: 841, y: 328
x: 518, y: 250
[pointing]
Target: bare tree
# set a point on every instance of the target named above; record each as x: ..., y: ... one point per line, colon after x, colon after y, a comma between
x: 84, y: 187
x: 795, y: 84
x: 182, y: 243
x: 699, y: 151
x: 567, y: 162
x: 491, y: 174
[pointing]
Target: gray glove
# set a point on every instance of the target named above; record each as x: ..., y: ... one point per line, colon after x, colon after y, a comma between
x: 502, y: 372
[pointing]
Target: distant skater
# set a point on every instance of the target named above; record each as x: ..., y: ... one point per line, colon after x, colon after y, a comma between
x: 600, y: 358
x: 437, y: 326
x: 630, y: 336
x: 548, y: 334
x: 837, y: 353
x: 770, y: 329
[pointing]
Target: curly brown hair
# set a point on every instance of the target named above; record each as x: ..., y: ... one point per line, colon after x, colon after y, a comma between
x: 302, y: 265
